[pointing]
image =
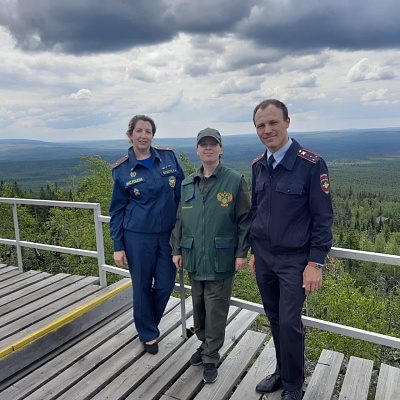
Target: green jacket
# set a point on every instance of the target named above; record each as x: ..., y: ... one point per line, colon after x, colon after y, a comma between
x: 213, y: 224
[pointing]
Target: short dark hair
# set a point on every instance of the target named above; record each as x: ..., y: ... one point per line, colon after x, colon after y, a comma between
x: 135, y: 119
x: 275, y: 103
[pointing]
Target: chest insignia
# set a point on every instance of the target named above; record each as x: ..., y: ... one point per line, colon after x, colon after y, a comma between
x: 324, y: 182
x: 136, y: 192
x: 133, y: 182
x: 224, y: 198
x: 172, y: 181
x: 169, y: 171
x: 133, y: 173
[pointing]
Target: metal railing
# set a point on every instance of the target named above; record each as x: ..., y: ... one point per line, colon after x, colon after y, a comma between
x: 104, y: 268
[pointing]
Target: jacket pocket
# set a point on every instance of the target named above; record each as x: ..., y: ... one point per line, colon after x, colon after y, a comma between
x: 187, y: 253
x: 289, y: 188
x: 225, y: 248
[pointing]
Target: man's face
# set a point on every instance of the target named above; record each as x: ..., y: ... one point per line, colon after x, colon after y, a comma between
x: 271, y: 127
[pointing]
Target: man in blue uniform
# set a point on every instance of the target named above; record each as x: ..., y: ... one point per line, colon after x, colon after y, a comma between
x: 290, y: 237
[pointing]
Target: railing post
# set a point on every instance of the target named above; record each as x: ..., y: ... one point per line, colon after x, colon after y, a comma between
x: 100, y: 245
x: 183, y: 308
x: 17, y: 238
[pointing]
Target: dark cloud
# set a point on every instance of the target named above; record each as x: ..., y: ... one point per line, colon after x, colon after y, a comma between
x: 77, y: 26
x: 316, y: 24
x: 95, y: 26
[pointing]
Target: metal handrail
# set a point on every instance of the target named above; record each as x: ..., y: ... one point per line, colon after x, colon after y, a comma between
x: 104, y: 268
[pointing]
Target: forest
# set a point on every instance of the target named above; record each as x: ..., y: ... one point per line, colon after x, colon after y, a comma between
x: 355, y: 293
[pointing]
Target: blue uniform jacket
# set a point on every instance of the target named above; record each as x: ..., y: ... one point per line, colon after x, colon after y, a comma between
x: 144, y: 200
x: 292, y: 209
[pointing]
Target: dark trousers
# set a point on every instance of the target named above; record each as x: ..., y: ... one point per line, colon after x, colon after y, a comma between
x: 153, y: 279
x: 210, y: 312
x: 280, y: 281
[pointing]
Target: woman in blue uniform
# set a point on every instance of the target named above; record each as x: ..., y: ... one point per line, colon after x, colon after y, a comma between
x: 143, y: 209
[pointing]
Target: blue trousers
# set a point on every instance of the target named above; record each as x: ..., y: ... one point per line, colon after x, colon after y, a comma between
x: 153, y: 278
x: 280, y: 281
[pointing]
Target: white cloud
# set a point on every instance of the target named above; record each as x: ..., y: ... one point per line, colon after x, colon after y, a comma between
x: 81, y: 94
x: 238, y: 85
x: 375, y: 96
x: 364, y: 71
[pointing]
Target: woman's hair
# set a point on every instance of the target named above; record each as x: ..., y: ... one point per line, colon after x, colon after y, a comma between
x: 135, y: 119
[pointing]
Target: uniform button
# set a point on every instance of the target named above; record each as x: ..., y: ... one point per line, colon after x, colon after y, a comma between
x: 288, y: 190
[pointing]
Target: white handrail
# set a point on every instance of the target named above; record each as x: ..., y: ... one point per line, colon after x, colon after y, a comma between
x: 103, y: 268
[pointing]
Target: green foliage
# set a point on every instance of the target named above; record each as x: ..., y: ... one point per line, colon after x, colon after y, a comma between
x: 187, y: 167
x: 342, y: 302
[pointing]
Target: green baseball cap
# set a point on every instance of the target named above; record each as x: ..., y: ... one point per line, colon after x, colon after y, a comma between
x: 209, y: 132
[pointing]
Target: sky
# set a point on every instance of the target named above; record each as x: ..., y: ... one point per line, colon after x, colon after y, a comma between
x: 79, y: 70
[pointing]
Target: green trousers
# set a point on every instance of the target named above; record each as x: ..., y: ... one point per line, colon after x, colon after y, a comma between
x: 210, y: 312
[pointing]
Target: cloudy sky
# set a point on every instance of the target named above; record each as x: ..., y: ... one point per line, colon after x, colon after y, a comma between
x: 80, y: 69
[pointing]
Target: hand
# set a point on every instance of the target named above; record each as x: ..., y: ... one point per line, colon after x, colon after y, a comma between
x: 252, y: 264
x: 312, y: 279
x: 120, y: 259
x: 240, y: 263
x: 177, y: 260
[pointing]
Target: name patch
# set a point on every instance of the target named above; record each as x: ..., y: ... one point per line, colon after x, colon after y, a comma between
x: 169, y: 171
x: 134, y: 182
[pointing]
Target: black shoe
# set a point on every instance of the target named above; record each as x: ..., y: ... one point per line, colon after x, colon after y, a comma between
x: 288, y: 395
x: 151, y: 348
x: 196, y: 357
x: 210, y: 373
x: 270, y: 384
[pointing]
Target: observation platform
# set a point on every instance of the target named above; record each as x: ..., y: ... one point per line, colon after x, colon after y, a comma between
x: 65, y: 337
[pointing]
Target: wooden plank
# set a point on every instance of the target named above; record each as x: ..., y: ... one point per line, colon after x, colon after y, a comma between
x: 107, y: 361
x: 46, y: 372
x: 41, y: 308
x: 24, y: 326
x: 25, y: 279
x: 26, y: 291
x: 38, y: 290
x: 263, y: 366
x: 388, y: 387
x: 6, y: 265
x: 357, y: 379
x: 66, y: 324
x: 135, y: 374
x: 323, y: 380
x: 111, y: 372
x: 4, y: 272
x: 233, y: 367
x: 188, y: 384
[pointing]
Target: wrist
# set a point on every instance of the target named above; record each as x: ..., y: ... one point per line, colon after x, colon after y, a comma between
x: 315, y: 265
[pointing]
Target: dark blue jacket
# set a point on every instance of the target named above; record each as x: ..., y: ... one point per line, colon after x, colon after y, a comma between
x: 144, y: 200
x: 292, y: 209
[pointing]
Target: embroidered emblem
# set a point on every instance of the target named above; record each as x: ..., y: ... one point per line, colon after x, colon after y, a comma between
x: 224, y: 198
x: 136, y: 191
x: 172, y: 181
x: 324, y: 182
x: 133, y: 173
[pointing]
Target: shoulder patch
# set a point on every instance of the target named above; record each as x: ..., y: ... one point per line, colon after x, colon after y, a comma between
x: 309, y: 155
x: 119, y: 162
x: 164, y: 148
x: 258, y: 158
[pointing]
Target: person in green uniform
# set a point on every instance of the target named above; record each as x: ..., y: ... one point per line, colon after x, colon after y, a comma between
x: 211, y: 241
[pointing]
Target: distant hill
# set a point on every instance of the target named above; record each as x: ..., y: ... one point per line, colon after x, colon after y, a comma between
x: 31, y: 163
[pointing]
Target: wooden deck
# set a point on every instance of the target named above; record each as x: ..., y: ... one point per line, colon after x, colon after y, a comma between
x: 96, y: 353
